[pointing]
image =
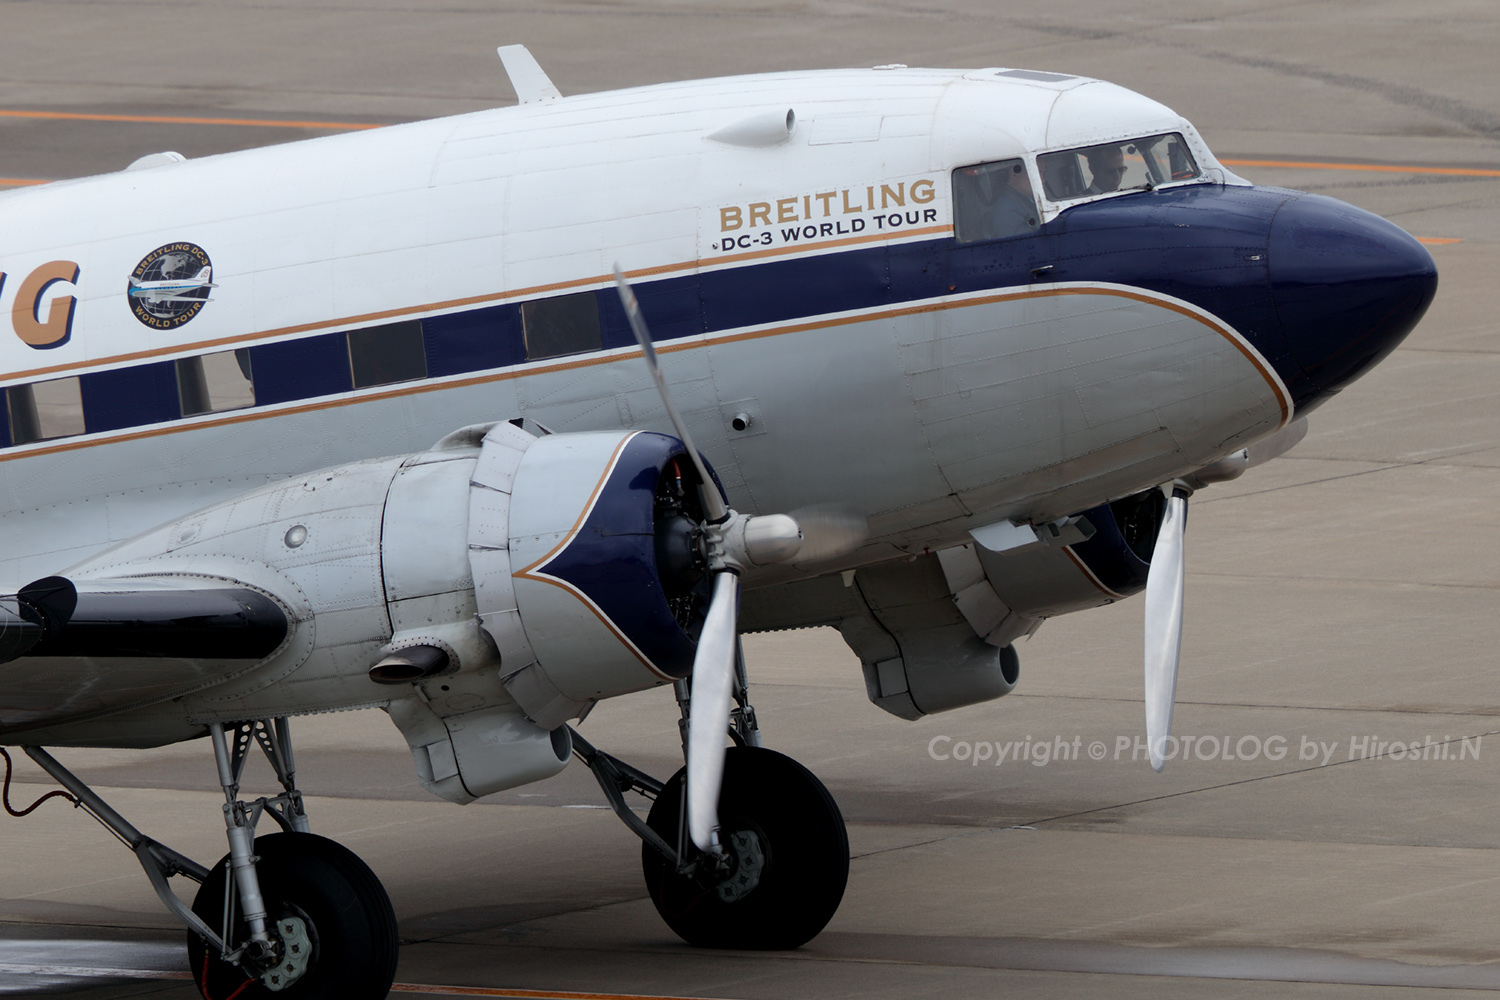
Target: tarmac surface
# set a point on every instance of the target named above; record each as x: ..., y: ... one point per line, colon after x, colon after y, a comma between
x: 1343, y: 603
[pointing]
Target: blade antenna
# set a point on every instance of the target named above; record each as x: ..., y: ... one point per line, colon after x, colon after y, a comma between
x: 713, y: 505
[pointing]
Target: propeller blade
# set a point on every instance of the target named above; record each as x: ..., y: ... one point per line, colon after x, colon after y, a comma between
x: 713, y: 504
x: 1164, y: 626
x: 708, y: 722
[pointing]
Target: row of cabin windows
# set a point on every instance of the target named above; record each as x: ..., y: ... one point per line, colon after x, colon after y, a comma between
x: 236, y: 379
x: 990, y: 200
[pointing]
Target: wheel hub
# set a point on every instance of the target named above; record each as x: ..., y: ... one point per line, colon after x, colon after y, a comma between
x: 296, y: 954
x: 747, y: 862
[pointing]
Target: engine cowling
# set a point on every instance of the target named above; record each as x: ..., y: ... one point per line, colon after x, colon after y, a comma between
x: 1106, y: 560
x: 577, y: 564
x: 564, y: 536
x: 936, y: 633
x: 485, y: 591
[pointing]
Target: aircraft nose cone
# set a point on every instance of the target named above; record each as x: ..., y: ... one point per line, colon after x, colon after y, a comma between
x: 1348, y: 286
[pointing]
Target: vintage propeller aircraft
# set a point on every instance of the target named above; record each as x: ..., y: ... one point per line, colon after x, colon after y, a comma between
x: 927, y: 355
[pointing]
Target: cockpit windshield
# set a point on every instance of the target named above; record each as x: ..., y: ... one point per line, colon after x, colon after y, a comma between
x: 1133, y: 165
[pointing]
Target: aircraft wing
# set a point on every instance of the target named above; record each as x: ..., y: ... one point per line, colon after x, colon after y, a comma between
x: 75, y: 651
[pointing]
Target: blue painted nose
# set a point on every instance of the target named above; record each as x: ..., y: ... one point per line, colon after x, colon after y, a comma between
x: 1348, y: 287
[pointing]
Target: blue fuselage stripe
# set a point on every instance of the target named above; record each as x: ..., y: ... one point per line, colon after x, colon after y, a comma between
x: 1204, y: 244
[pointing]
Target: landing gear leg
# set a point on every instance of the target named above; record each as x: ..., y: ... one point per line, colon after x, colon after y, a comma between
x: 299, y: 915
x: 743, y: 727
x: 290, y: 915
x: 241, y: 831
x: 159, y: 861
x: 786, y: 857
x: 786, y: 851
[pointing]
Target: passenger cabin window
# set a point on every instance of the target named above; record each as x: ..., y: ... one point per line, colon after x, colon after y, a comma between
x: 566, y: 324
x: 44, y: 410
x: 215, y: 382
x: 381, y: 355
x: 1135, y: 165
x: 993, y: 200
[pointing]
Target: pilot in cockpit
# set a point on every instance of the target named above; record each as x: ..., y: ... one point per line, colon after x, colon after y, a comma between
x: 994, y: 201
x: 1064, y: 177
x: 1107, y: 167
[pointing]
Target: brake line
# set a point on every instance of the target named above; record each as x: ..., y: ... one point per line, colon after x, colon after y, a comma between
x: 5, y: 792
x: 203, y: 984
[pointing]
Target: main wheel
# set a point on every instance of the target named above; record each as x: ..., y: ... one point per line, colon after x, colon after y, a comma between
x: 788, y: 857
x: 328, y: 913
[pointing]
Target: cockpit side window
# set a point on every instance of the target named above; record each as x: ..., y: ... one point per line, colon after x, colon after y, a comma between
x: 993, y: 200
x: 1133, y: 165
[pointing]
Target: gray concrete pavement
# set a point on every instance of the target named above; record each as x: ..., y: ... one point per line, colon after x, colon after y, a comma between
x: 1343, y: 597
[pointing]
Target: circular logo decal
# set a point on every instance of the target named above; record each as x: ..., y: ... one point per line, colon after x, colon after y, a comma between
x: 170, y: 285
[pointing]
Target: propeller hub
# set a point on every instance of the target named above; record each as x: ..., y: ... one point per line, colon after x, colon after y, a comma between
x: 772, y: 538
x: 742, y: 542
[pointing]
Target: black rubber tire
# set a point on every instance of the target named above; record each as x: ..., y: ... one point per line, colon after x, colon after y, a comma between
x: 806, y: 857
x: 349, y: 917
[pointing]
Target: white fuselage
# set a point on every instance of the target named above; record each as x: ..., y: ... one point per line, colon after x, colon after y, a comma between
x: 928, y: 419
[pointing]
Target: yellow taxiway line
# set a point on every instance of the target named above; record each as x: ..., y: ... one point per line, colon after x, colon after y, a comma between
x: 421, y: 989
x: 485, y: 991
x: 187, y: 120
x: 1383, y: 168
x: 1380, y: 168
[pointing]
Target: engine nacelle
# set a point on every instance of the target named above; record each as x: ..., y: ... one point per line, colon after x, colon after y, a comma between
x: 563, y: 542
x: 551, y: 545
x: 919, y: 654
x: 485, y: 591
x: 936, y: 632
x: 1006, y: 582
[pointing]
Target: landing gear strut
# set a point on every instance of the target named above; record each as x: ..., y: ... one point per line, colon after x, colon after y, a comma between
x: 785, y: 858
x: 291, y: 914
x: 329, y: 919
x: 301, y: 916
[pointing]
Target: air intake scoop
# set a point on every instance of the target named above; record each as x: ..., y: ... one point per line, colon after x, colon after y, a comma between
x: 765, y: 128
